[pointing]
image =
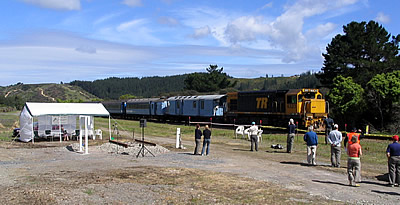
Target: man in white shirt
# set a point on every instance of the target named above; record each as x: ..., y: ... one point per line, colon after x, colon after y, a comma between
x: 253, y: 130
x: 335, y: 139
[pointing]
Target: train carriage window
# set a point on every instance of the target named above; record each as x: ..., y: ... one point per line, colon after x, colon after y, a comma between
x: 300, y: 98
x: 178, y: 104
x: 291, y: 99
x: 202, y: 105
x: 194, y: 104
x: 309, y: 95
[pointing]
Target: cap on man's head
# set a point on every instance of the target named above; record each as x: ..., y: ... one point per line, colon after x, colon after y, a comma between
x: 395, y: 138
x: 253, y: 123
x: 336, y: 126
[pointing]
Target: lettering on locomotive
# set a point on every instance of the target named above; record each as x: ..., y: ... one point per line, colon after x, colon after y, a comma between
x: 262, y: 103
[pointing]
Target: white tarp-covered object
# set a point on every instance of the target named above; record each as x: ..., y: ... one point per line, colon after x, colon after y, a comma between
x: 63, y: 113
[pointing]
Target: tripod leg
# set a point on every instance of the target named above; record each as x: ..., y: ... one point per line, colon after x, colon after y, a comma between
x: 148, y: 151
x: 140, y: 152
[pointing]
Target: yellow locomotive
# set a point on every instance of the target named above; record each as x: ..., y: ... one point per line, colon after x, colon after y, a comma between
x: 276, y: 107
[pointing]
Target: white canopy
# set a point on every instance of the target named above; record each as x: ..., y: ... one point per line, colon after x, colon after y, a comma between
x: 32, y: 110
x: 92, y: 109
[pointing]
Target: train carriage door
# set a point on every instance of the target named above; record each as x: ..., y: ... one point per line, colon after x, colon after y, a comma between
x: 291, y: 104
x: 177, y: 107
x: 151, y: 108
x: 201, y: 107
x: 197, y: 107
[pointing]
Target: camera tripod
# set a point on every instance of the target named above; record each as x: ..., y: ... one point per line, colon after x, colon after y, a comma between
x: 143, y: 148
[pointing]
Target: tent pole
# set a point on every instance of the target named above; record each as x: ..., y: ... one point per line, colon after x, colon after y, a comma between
x: 59, y: 126
x: 87, y: 118
x: 33, y: 130
x: 80, y: 134
x: 109, y: 125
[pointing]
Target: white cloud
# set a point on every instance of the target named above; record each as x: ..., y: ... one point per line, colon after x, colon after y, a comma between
x: 105, y: 18
x: 132, y: 3
x: 246, y: 29
x: 382, y: 18
x: 201, y: 32
x: 286, y: 32
x: 131, y: 24
x: 268, y: 5
x: 321, y: 31
x: 57, y: 4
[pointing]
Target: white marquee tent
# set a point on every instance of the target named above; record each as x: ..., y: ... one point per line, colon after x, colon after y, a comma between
x: 53, y: 116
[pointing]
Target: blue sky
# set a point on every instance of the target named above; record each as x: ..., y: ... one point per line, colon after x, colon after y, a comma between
x: 49, y: 41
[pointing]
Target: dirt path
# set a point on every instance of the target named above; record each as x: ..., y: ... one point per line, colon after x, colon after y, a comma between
x: 44, y: 95
x: 9, y: 92
x: 287, y: 173
x: 57, y: 164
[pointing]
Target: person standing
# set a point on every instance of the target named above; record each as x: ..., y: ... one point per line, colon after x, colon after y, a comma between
x: 350, y: 135
x: 393, y: 154
x: 335, y: 139
x: 64, y: 133
x: 206, y: 140
x: 253, y: 136
x: 353, y: 162
x: 311, y: 139
x: 328, y: 122
x: 290, y: 136
x: 197, y: 138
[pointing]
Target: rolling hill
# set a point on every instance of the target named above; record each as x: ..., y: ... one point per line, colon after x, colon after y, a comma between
x: 16, y: 95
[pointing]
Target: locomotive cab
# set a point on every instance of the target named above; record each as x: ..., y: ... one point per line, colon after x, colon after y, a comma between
x: 308, y: 103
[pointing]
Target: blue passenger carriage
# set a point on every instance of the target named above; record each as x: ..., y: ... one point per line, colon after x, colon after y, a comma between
x: 158, y: 107
x: 116, y: 108
x: 139, y: 107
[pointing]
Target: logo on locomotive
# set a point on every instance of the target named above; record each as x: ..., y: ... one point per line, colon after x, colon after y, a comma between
x: 262, y: 103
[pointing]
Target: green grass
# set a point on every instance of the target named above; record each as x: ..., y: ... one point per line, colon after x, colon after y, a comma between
x: 7, y: 121
x: 89, y: 191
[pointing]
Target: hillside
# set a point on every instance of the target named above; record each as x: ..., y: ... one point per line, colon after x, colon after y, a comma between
x: 17, y: 95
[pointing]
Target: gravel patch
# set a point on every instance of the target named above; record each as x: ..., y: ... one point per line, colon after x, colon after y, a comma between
x: 132, y: 149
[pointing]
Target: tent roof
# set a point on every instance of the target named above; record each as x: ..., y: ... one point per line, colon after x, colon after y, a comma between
x: 94, y: 109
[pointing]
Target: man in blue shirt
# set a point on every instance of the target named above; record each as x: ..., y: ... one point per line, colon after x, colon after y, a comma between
x: 328, y: 122
x: 311, y: 139
x: 393, y: 154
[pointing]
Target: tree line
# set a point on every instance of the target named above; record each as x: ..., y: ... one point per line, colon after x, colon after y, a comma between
x: 114, y: 88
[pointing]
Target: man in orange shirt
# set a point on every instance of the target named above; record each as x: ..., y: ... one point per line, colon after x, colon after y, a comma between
x: 350, y: 135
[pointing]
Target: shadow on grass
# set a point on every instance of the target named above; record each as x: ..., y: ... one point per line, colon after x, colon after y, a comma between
x: 371, y: 182
x: 242, y: 150
x: 188, y: 153
x: 386, y: 192
x: 297, y: 163
x: 383, y: 177
x: 276, y: 151
x: 330, y: 182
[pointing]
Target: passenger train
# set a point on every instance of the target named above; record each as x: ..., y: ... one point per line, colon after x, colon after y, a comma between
x: 267, y: 107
